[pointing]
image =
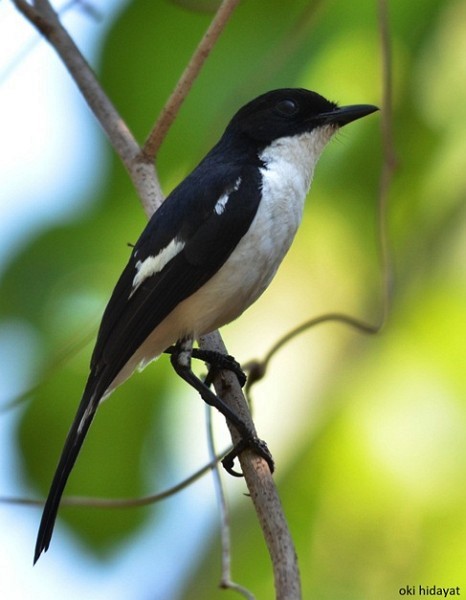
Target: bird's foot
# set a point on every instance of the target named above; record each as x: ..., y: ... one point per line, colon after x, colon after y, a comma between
x: 217, y: 362
x: 181, y: 360
x: 252, y: 443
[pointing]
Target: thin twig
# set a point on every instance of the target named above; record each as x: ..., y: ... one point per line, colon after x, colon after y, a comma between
x: 171, y: 108
x: 257, y: 369
x: 389, y: 160
x: 27, y: 48
x: 122, y: 502
x: 226, y: 581
x: 62, y: 356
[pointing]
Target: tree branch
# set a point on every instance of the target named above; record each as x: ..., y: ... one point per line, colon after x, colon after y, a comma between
x: 182, y: 88
x: 142, y: 172
x: 261, y: 487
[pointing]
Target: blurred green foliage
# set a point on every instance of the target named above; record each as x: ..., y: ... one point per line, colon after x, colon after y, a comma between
x: 372, y: 473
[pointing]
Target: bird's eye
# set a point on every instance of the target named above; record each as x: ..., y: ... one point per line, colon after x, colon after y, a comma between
x: 287, y: 107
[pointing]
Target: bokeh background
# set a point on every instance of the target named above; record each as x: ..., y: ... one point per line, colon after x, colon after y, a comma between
x: 368, y: 433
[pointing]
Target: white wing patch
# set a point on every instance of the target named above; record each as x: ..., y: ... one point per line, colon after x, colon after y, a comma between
x: 154, y: 264
x: 221, y: 203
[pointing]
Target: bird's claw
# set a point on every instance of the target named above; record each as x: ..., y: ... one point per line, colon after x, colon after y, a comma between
x: 219, y: 362
x: 252, y: 443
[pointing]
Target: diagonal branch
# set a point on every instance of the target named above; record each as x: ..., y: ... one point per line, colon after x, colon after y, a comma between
x: 182, y: 88
x: 261, y: 486
x: 142, y: 173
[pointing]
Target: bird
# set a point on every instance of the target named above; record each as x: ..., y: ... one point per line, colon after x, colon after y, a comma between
x: 207, y: 253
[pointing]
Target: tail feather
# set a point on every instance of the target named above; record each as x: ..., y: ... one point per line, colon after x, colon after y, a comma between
x: 73, y: 443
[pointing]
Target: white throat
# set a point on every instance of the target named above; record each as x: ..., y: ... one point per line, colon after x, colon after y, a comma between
x: 294, y: 158
x: 287, y: 175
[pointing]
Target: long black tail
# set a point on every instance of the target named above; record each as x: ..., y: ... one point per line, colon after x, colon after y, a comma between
x: 77, y: 433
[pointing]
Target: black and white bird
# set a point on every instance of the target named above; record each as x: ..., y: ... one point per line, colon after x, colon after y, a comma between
x: 207, y: 254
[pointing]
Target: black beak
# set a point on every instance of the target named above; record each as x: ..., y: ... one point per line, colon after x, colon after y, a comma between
x: 343, y: 115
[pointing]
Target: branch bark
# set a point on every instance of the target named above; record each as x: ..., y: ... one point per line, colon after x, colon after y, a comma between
x: 261, y: 486
x: 142, y: 172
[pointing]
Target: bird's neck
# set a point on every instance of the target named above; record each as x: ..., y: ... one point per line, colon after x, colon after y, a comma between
x: 294, y: 158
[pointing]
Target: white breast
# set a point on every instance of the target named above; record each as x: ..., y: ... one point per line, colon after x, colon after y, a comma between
x: 286, y: 176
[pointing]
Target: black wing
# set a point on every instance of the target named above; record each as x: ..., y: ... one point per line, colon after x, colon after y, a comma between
x: 210, y: 236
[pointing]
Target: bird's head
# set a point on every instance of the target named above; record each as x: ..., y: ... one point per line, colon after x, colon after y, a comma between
x: 290, y: 112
